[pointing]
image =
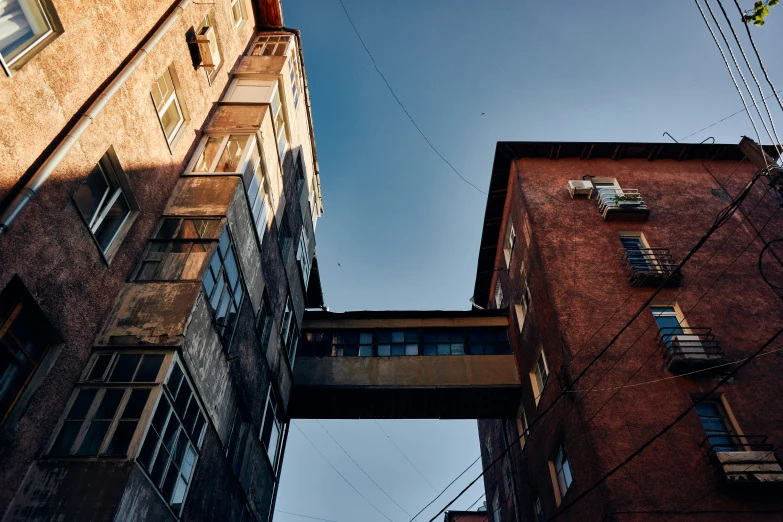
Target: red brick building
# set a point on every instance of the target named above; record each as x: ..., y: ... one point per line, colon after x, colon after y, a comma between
x: 577, y: 237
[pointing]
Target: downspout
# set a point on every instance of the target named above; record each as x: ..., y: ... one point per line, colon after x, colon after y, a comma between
x: 58, y: 154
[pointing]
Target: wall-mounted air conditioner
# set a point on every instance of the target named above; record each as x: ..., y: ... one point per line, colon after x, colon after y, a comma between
x: 208, y: 49
x: 580, y: 187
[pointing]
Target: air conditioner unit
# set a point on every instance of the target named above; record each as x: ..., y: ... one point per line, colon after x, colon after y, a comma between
x: 207, y: 48
x: 579, y: 187
x: 749, y: 466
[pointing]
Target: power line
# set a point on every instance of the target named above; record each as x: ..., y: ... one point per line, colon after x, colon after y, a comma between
x: 304, y: 516
x: 720, y: 220
x: 338, y: 472
x: 397, y: 99
x: 362, y: 470
x: 666, y: 428
x: 724, y: 119
x: 447, y: 487
x: 406, y: 457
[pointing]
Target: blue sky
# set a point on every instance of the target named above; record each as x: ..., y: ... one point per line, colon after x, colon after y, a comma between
x: 405, y: 230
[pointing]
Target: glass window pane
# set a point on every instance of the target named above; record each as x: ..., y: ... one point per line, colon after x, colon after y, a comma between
x: 398, y: 337
x: 159, y: 467
x: 91, y: 194
x: 168, y: 228
x: 458, y: 349
x: 82, y: 403
x: 182, y: 399
x: 121, y: 439
x: 112, y: 222
x: 167, y: 489
x: 161, y: 414
x: 65, y: 439
x: 99, y: 367
x: 136, y: 402
x: 125, y: 367
x: 148, y: 371
x: 365, y: 338
x: 188, y: 462
x: 174, y: 380
x: 109, y: 404
x: 179, y: 494
x: 411, y: 349
x: 171, y: 119
x: 232, y: 153
x: 148, y: 449
x: 430, y: 349
x: 208, y: 155
x: 94, y: 438
x: 21, y: 27
x: 384, y: 350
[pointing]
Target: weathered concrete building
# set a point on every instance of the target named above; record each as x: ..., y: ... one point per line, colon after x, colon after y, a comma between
x: 577, y: 238
x: 158, y: 201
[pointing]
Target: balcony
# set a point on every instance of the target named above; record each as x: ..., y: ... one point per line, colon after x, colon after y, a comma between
x: 687, y: 349
x: 649, y: 267
x: 622, y: 204
x: 744, y: 462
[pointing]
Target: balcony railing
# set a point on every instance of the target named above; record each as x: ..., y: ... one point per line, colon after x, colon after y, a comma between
x: 686, y: 349
x: 622, y: 204
x: 650, y: 267
x: 743, y: 461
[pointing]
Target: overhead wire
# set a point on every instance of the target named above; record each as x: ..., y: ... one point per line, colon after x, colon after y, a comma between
x: 304, y: 516
x: 399, y: 102
x: 665, y: 429
x: 406, y: 457
x: 446, y: 488
x: 362, y: 469
x: 338, y: 472
x: 724, y: 119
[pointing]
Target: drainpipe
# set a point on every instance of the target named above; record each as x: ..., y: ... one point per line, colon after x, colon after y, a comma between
x: 58, y: 154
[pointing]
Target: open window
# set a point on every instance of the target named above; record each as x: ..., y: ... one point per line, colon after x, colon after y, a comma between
x: 172, y: 113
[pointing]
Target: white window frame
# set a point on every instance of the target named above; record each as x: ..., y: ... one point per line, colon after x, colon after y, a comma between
x: 508, y: 245
x: 523, y: 307
x: 214, y: 47
x: 527, y: 231
x: 498, y: 294
x: 174, y: 98
x: 34, y: 12
x: 539, y: 378
x: 523, y: 428
x: 273, y: 407
x: 279, y: 47
x: 240, y: 6
x: 303, y: 257
x: 561, y: 473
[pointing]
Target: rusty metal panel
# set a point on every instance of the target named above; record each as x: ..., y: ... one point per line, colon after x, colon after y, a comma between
x: 209, y: 368
x: 235, y: 118
x: 246, y: 246
x: 150, y: 313
x: 202, y: 196
x: 268, y: 66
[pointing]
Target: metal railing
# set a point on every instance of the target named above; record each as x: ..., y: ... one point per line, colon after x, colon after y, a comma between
x: 743, y: 459
x: 649, y: 266
x: 629, y: 199
x: 685, y: 348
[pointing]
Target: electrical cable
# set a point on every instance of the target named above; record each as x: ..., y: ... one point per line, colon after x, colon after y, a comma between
x: 720, y: 220
x: 338, y: 472
x: 723, y: 119
x: 397, y: 99
x: 361, y: 469
x: 768, y: 245
x: 758, y: 56
x: 664, y: 430
x: 406, y: 457
x: 446, y: 488
x: 715, y: 38
x: 303, y: 516
x: 753, y: 74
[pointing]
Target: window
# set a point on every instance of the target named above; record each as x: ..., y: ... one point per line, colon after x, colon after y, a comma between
x: 289, y: 331
x: 539, y: 376
x: 25, y: 339
x: 223, y: 288
x: 637, y: 251
x: 498, y: 294
x: 294, y: 75
x: 171, y: 111
x: 284, y: 237
x: 508, y: 247
x: 718, y: 427
x: 509, y: 478
x: 522, y: 428
x: 214, y: 47
x: 106, y: 204
x: 488, y: 341
x: 496, y: 517
x: 26, y: 27
x: 179, y: 250
x: 239, y: 154
x: 236, y: 442
x: 443, y: 342
x: 238, y: 12
x: 538, y: 510
x: 562, y: 471
x: 527, y: 231
x: 489, y: 447
x: 298, y: 174
x: 103, y: 420
x: 280, y: 125
x: 352, y: 344
x: 170, y: 449
x: 523, y: 307
x: 272, y: 430
x: 670, y: 323
x: 399, y: 342
x: 605, y: 187
x: 271, y: 45
x: 303, y: 257
x: 265, y: 319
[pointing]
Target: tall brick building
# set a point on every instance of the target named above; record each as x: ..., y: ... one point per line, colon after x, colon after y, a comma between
x: 158, y: 200
x: 576, y: 237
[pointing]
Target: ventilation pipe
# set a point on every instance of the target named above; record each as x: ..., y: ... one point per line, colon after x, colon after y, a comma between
x: 58, y: 154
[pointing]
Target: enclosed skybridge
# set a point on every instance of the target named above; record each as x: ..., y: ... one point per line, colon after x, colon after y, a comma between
x: 406, y: 364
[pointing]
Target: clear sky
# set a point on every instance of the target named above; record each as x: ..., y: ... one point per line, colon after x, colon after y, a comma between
x: 401, y: 231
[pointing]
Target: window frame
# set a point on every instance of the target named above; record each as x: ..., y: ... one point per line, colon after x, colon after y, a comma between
x: 508, y: 244
x: 238, y: 24
x: 523, y: 428
x: 111, y: 171
x: 175, y: 97
x: 559, y: 466
x: 278, y: 418
x: 537, y: 375
x: 498, y: 294
x: 26, y: 51
x: 209, y: 21
x: 209, y: 294
x: 737, y: 437
x: 522, y: 308
x: 207, y: 243
x: 303, y: 257
x: 289, y: 332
